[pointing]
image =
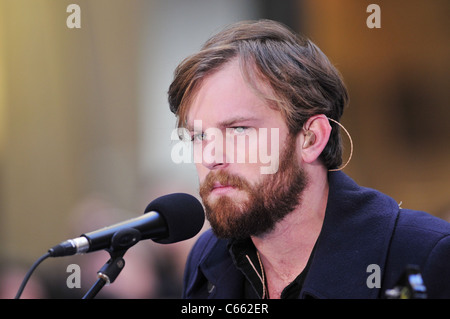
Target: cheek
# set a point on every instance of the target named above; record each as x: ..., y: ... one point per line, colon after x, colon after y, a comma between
x: 254, y: 147
x: 202, y: 171
x: 242, y: 150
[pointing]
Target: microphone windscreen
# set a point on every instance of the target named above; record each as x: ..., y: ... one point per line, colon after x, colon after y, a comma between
x: 183, y: 214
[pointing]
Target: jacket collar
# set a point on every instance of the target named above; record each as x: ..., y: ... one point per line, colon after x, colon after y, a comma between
x: 355, y: 234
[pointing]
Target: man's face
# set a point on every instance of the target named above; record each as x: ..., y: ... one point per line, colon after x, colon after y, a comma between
x: 241, y: 198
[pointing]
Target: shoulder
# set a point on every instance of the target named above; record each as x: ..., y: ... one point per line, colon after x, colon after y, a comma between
x: 418, y: 231
x: 200, y: 249
x: 208, y: 261
x: 423, y: 240
x: 203, y: 246
x: 423, y: 222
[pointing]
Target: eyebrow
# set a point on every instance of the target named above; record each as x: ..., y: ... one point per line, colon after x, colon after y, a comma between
x: 229, y: 122
x: 236, y: 120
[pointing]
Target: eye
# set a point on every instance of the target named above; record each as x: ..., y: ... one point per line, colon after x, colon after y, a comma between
x: 198, y: 137
x: 240, y: 129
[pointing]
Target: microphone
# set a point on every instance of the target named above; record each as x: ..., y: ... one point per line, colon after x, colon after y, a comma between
x: 167, y: 219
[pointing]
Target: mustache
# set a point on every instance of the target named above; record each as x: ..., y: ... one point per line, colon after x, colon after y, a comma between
x: 223, y: 178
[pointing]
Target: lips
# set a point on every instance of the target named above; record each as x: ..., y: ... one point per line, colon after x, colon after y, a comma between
x: 220, y: 188
x: 220, y: 183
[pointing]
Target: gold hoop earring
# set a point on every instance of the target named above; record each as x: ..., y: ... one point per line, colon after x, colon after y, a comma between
x: 351, y: 147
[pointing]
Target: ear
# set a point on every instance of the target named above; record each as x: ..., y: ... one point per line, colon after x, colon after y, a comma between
x: 314, y: 137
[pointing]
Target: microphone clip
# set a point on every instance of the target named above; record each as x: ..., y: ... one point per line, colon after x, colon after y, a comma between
x: 120, y: 243
x: 124, y: 239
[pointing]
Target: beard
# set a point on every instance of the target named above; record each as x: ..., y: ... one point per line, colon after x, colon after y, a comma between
x: 266, y: 204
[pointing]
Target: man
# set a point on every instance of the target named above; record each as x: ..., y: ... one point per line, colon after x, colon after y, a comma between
x: 303, y: 229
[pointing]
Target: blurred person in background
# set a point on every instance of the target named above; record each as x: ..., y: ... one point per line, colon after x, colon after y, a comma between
x: 11, y: 276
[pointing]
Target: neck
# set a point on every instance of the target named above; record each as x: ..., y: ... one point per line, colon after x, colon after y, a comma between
x: 286, y: 249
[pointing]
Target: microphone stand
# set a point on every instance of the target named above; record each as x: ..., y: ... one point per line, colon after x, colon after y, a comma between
x: 120, y: 243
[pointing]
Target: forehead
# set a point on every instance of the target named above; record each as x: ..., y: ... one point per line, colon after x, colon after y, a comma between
x: 225, y: 96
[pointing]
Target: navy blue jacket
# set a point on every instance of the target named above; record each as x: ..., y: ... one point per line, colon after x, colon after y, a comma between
x: 361, y: 227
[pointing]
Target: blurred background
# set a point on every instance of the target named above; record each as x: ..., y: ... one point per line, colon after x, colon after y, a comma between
x: 85, y: 126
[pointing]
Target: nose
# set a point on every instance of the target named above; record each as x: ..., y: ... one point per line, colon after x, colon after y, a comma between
x: 213, y: 154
